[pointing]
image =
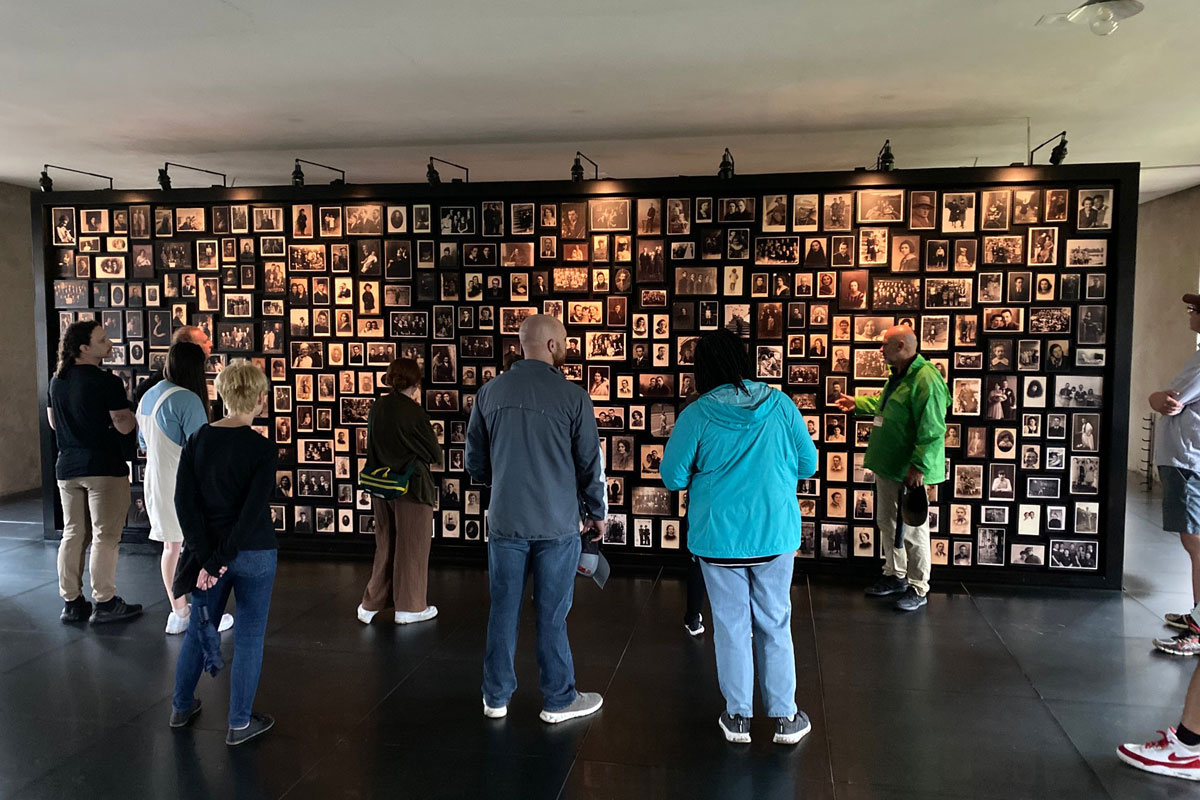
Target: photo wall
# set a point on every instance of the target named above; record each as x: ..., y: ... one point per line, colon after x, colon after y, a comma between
x: 1010, y: 286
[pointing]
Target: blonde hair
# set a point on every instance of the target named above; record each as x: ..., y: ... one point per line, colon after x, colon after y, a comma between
x: 240, y: 385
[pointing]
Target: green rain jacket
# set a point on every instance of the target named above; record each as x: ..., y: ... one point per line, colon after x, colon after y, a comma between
x: 914, y: 424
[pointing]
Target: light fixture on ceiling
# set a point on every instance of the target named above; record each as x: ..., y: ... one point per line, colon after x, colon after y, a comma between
x: 885, y: 161
x: 1101, y: 16
x: 164, y: 177
x: 298, y: 174
x: 47, y: 184
x: 1058, y: 154
x: 577, y: 168
x: 725, y: 172
x: 431, y: 174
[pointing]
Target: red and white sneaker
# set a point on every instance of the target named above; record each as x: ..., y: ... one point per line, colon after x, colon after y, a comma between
x: 1166, y: 756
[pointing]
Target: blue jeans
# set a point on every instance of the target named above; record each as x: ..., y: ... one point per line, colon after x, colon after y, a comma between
x: 758, y: 596
x: 553, y: 563
x: 250, y: 576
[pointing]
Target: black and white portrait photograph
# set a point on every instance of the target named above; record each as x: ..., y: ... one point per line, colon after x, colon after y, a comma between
x: 1093, y: 325
x: 1071, y: 554
x: 456, y: 220
x: 736, y: 209
x: 777, y: 250
x: 997, y: 209
x: 958, y: 212
x: 838, y: 212
x: 1003, y: 250
x: 1095, y: 211
x: 880, y: 205
x: 1078, y: 391
x: 873, y: 247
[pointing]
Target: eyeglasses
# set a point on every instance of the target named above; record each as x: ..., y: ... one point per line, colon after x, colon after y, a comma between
x: 1193, y: 310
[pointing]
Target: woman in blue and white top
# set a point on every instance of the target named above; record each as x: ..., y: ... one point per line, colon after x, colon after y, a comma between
x: 168, y: 414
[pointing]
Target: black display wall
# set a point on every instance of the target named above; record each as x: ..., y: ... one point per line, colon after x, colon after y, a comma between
x: 1018, y: 281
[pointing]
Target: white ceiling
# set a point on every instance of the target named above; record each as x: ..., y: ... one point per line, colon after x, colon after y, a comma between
x: 645, y: 87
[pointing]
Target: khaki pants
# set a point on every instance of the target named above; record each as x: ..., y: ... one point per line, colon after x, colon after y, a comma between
x: 912, y: 560
x: 400, y: 575
x: 104, y: 502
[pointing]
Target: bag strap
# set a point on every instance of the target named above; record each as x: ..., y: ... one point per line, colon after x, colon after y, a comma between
x: 163, y: 398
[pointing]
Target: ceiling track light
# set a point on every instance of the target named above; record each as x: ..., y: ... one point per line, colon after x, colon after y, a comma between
x: 577, y: 168
x: 47, y: 185
x: 726, y: 170
x: 1102, y: 17
x: 885, y: 161
x: 298, y: 174
x: 1058, y: 154
x: 431, y: 174
x: 164, y: 176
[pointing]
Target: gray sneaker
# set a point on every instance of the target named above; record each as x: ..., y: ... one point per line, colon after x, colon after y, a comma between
x: 888, y: 584
x: 736, y: 728
x: 790, y: 731
x: 910, y: 601
x: 181, y: 719
x: 585, y: 703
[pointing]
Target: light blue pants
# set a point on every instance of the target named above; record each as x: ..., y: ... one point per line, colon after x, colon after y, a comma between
x: 758, y: 596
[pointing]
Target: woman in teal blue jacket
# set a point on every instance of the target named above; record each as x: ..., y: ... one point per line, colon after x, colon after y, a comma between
x: 739, y: 450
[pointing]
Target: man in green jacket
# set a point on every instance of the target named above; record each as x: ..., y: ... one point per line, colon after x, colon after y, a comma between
x: 907, y: 446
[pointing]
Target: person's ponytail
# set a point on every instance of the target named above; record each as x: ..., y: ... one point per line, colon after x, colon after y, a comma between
x: 73, y: 339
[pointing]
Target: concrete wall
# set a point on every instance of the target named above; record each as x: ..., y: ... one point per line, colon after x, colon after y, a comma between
x: 1168, y: 265
x: 20, y: 459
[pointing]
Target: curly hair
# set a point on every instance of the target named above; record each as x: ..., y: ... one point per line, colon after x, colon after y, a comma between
x: 73, y: 339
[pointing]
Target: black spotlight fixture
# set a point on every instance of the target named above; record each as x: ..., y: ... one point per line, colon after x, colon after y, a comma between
x: 164, y: 176
x: 431, y: 174
x: 725, y: 172
x: 47, y: 185
x: 298, y: 174
x: 885, y: 161
x: 577, y: 168
x: 1058, y: 154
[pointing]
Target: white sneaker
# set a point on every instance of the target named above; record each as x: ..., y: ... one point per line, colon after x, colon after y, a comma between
x: 407, y: 617
x: 226, y: 623
x: 177, y: 624
x: 494, y: 713
x: 1166, y: 756
x: 585, y: 703
x: 365, y: 616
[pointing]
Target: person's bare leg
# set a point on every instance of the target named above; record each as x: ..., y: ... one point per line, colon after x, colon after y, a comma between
x: 1191, y: 703
x: 168, y: 563
x: 1191, y: 543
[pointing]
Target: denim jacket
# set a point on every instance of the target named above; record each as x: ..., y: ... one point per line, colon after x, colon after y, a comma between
x: 533, y: 439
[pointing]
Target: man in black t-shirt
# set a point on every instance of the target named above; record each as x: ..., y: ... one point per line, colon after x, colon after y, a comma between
x: 90, y: 415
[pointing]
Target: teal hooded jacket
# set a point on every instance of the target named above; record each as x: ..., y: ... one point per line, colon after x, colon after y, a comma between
x: 739, y: 455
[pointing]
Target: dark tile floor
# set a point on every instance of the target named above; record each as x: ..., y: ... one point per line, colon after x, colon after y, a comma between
x: 987, y: 693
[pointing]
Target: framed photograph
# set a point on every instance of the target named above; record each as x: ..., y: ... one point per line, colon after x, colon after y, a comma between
x: 922, y: 210
x: 679, y: 216
x: 958, y: 212
x: 1093, y: 325
x: 1003, y: 319
x: 1095, y: 209
x: 966, y: 396
x: 1087, y: 252
x: 997, y: 209
x: 968, y: 482
x: 837, y: 212
x: 895, y: 294
x: 905, y: 250
x: 806, y: 213
x: 266, y: 220
x: 1057, y: 205
x: 1072, y: 554
x: 1043, y: 247
x: 736, y: 209
x: 62, y: 221
x: 330, y: 221
x: 880, y: 205
x: 873, y: 247
x: 781, y: 250
x: 775, y: 215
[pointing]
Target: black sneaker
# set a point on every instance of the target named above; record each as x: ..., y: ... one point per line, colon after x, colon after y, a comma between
x: 790, y: 731
x: 259, y: 724
x: 181, y: 719
x: 888, y: 584
x: 736, y: 728
x: 694, y: 627
x: 911, y: 601
x: 77, y: 610
x: 114, y: 610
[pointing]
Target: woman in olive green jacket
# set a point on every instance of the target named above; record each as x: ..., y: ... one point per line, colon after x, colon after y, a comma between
x: 400, y: 434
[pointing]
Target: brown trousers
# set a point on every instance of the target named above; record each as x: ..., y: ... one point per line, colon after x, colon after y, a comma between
x: 400, y: 575
x: 94, y: 511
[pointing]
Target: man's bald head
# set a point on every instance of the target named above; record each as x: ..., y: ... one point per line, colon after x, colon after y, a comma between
x: 543, y: 338
x: 193, y: 334
x: 899, y: 345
